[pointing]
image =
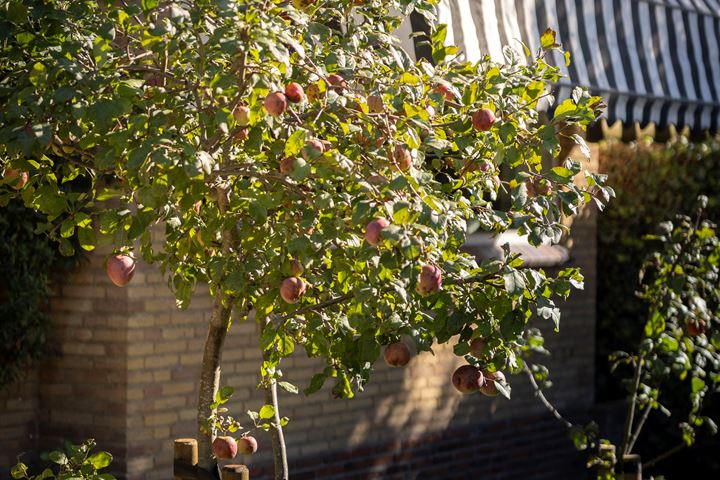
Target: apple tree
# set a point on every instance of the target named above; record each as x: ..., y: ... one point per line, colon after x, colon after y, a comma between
x: 297, y: 161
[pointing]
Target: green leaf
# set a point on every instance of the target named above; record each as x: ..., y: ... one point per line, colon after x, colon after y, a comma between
x: 58, y: 457
x: 514, y: 282
x: 295, y: 143
x: 697, y: 384
x: 86, y: 236
x: 561, y: 174
x: 67, y: 228
x: 19, y: 471
x: 289, y: 387
x: 316, y: 383
x: 547, y: 39
x: 223, y: 394
x: 100, y: 460
x: 267, y: 412
x: 38, y: 74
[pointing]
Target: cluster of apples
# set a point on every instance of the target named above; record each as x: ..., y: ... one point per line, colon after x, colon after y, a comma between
x: 226, y: 447
x: 470, y: 378
x: 430, y: 279
x: 293, y: 287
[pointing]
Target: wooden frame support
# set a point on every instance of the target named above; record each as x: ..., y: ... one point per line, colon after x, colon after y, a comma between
x: 186, y: 464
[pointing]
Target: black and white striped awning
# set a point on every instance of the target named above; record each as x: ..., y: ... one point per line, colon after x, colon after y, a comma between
x: 651, y: 60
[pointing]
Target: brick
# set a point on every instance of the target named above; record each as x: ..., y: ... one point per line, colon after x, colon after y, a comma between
x: 160, y: 419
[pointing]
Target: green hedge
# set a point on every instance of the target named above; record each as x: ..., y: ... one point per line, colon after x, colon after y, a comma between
x: 27, y: 261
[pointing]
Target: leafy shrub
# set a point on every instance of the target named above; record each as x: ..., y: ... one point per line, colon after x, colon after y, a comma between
x: 75, y: 463
x: 652, y: 183
x: 27, y: 262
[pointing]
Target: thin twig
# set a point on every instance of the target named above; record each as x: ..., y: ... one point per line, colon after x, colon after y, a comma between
x: 641, y: 423
x: 541, y: 396
x: 319, y: 306
x: 664, y: 455
x: 631, y: 408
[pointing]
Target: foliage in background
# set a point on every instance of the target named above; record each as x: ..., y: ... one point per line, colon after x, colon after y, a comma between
x: 75, y: 463
x: 652, y: 183
x: 677, y: 352
x: 28, y: 263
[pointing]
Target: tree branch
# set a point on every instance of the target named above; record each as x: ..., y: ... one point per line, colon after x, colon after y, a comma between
x: 541, y: 396
x: 629, y: 419
x: 638, y: 428
x: 664, y: 455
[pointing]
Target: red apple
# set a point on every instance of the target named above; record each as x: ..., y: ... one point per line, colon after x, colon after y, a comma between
x: 241, y: 135
x: 294, y: 92
x: 402, y: 157
x: 373, y: 231
x: 397, y: 354
x: 291, y: 289
x: 241, y: 114
x: 313, y: 148
x: 696, y: 327
x: 16, y: 178
x: 287, y: 165
x: 444, y: 91
x: 477, y: 347
x: 468, y: 379
x: 483, y: 119
x: 224, y: 448
x: 120, y: 269
x: 337, y: 82
x: 489, y: 389
x: 275, y: 103
x: 430, y: 280
x: 247, y: 445
x: 538, y: 186
x: 543, y: 186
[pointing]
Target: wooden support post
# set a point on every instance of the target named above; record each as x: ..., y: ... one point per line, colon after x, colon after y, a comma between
x: 632, y: 467
x: 235, y: 472
x: 186, y: 454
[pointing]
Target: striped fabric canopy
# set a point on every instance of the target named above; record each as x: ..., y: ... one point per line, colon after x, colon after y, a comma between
x: 651, y: 60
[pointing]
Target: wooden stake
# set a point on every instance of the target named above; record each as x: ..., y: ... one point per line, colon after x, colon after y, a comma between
x: 186, y: 453
x: 235, y: 472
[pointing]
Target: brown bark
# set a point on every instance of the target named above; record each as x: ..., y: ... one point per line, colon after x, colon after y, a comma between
x: 212, y: 354
x: 210, y: 377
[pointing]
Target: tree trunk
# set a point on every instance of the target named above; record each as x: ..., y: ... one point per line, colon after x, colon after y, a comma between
x: 276, y: 434
x: 210, y: 377
x: 217, y: 330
